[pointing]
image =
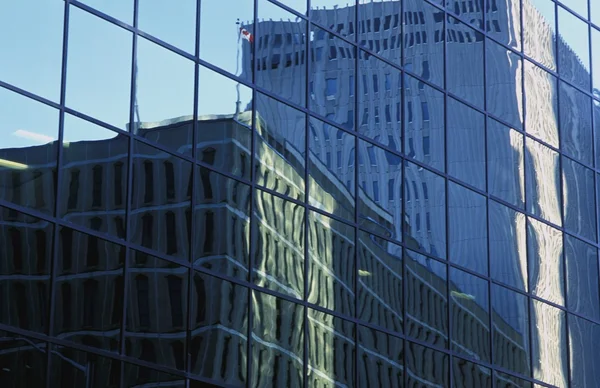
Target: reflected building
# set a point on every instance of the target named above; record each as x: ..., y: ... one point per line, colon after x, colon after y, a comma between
x: 404, y: 201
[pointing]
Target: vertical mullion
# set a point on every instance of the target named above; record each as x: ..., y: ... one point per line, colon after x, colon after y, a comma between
x: 192, y: 232
x: 357, y: 74
x: 129, y: 204
x: 59, y: 154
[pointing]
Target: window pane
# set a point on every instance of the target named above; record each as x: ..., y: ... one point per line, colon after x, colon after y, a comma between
x: 578, y: 199
x: 539, y: 42
x: 119, y: 9
x: 34, y: 64
x: 549, y: 344
x: 574, y: 42
x: 545, y: 252
x: 72, y: 368
x: 331, y: 247
x: 219, y: 313
x: 576, y: 124
x: 23, y: 361
x: 157, y: 305
x: 584, y: 337
x: 158, y: 18
x: 466, y: 144
x: 99, y: 68
x: 582, y: 277
x: 25, y: 269
x: 380, y: 359
x: 222, y: 217
x: 426, y: 364
x: 543, y: 181
x: 29, y: 131
x: 278, y: 245
x: 468, y: 374
x: 277, y: 342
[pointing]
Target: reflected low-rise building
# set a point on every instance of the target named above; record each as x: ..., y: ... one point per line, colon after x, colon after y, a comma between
x: 381, y: 193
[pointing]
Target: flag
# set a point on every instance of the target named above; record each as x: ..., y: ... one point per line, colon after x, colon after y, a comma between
x: 246, y: 35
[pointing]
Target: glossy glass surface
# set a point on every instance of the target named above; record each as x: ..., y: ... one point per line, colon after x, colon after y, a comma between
x: 469, y: 297
x: 278, y: 337
x: 380, y: 191
x: 380, y: 285
x: 299, y: 189
x: 161, y: 197
x: 35, y: 62
x: 331, y: 350
x: 164, y: 96
x: 278, y: 244
x: 95, y: 193
x: 465, y: 143
x: 223, y: 205
x: 426, y: 299
x: 508, y: 246
x: 218, y: 316
x: 549, y: 344
x: 88, y: 306
x: 467, y: 234
x: 510, y: 330
x: 545, y: 255
x: 280, y: 164
x: 157, y: 316
x: 331, y: 266
x: 28, y: 125
x: 505, y: 163
x: 93, y: 87
x: 424, y: 128
x: 465, y: 78
x: 380, y: 359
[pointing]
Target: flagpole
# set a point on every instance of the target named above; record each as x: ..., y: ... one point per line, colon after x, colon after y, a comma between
x: 237, y: 68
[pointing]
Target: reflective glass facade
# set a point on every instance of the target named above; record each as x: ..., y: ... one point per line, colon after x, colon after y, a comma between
x: 299, y: 193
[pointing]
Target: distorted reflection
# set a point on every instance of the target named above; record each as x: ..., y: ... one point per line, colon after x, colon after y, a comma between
x: 584, y: 337
x: 93, y: 87
x: 510, y: 330
x: 23, y: 361
x: 545, y: 255
x: 508, y: 246
x: 424, y: 123
x: 379, y: 28
x: 95, y: 172
x: 331, y: 350
x: 380, y: 359
x: 469, y: 312
x: 331, y: 272
x: 505, y: 163
x: 539, y: 37
x: 25, y: 260
x: 468, y: 375
x: 379, y: 191
x: 226, y: 37
x: 576, y: 136
x: 278, y: 244
x: 504, y: 380
x: 543, y: 181
x: 222, y: 219
x: 280, y: 147
x: 541, y: 92
x: 466, y: 80
x: 29, y: 131
x: 504, y: 83
x: 426, y: 299
x: 157, y: 315
x: 504, y: 22
x: 573, y: 48
x: 72, y: 368
x: 278, y: 342
x: 582, y: 277
x: 426, y: 364
x: 223, y: 131
x: 465, y: 143
x: 424, y: 38
x: 425, y: 203
x: 331, y: 169
x: 219, y: 319
x: 280, y: 52
x: 467, y: 232
x: 135, y: 376
x: 380, y: 285
x: 549, y: 344
x: 89, y: 292
x: 162, y: 190
x: 578, y: 199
